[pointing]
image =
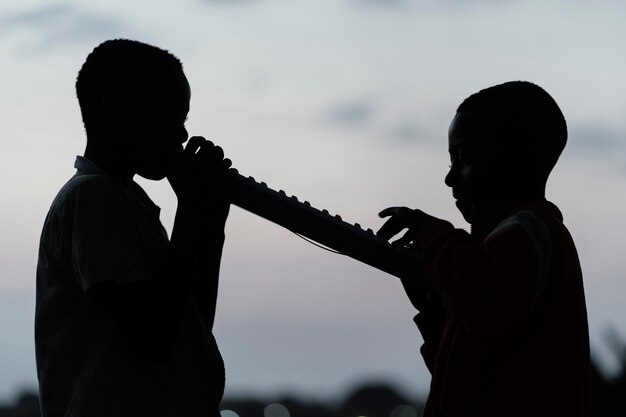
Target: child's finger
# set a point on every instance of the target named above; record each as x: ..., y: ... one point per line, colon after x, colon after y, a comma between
x: 391, y: 228
x: 193, y: 144
x: 404, y: 240
x: 389, y: 211
x: 210, y: 155
x: 217, y: 153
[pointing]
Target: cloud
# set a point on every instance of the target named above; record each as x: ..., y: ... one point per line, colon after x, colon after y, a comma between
x: 60, y: 23
x: 230, y: 2
x: 401, y: 5
x: 406, y: 131
x: 353, y: 113
x: 36, y: 17
x: 596, y: 139
x: 380, y: 120
x: 382, y: 3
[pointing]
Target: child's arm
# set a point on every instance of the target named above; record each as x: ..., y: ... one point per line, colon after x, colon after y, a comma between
x: 495, y: 281
x: 209, y: 259
x: 148, y: 311
x: 430, y: 321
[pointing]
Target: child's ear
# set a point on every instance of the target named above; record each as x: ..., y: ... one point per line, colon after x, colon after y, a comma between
x: 114, y: 108
x: 107, y: 107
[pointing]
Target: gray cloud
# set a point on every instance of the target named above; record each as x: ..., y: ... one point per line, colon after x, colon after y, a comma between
x: 61, y: 23
x: 370, y: 113
x: 36, y: 17
x: 352, y: 113
x: 230, y: 2
x: 596, y: 139
x: 406, y: 131
x: 382, y: 3
x: 429, y: 4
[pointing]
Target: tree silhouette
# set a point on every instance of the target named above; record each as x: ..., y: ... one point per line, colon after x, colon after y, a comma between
x: 608, y: 399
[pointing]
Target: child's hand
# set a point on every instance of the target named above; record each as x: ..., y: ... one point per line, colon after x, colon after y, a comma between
x: 426, y: 300
x: 197, y: 178
x: 403, y: 218
x: 197, y: 169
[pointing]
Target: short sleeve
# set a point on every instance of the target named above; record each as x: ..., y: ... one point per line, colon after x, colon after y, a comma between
x: 537, y: 232
x: 107, y: 240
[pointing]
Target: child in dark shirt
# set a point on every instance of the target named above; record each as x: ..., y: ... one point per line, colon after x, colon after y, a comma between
x: 505, y: 324
x: 124, y: 315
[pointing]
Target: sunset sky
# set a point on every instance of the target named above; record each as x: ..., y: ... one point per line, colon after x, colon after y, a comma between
x: 346, y: 104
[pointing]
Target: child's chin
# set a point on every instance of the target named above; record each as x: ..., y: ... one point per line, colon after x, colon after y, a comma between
x: 154, y: 175
x: 465, y: 208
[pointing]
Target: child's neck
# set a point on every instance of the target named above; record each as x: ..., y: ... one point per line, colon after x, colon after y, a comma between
x: 114, y: 162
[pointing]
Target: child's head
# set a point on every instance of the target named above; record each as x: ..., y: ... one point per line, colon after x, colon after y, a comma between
x: 134, y: 99
x: 503, y: 143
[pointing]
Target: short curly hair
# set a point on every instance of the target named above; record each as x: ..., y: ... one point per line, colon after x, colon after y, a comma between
x: 120, y: 66
x: 525, y: 116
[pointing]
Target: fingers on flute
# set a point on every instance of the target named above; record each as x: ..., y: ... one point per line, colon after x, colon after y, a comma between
x: 389, y: 211
x: 399, y: 220
x: 193, y: 144
x: 404, y: 240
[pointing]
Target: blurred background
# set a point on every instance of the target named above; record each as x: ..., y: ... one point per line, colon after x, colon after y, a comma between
x: 346, y: 104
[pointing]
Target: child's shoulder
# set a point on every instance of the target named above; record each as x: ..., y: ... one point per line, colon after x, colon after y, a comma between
x: 88, y: 187
x: 541, y: 221
x: 537, y: 214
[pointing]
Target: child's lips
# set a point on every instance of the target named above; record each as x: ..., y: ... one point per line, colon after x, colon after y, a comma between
x: 458, y: 196
x: 460, y: 199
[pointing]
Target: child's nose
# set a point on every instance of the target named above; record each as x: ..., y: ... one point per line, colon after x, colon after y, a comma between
x: 449, y: 179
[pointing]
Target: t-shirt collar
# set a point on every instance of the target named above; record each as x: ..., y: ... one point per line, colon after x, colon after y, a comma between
x: 86, y: 166
x: 487, y: 215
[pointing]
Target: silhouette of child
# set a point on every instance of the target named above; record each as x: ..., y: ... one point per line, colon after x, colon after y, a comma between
x: 124, y: 315
x: 509, y: 336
